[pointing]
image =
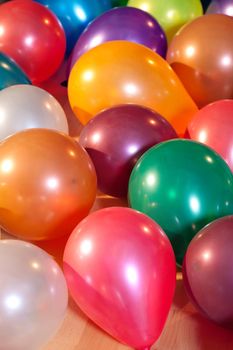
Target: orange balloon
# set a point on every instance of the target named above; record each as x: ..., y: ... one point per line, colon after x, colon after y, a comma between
x: 47, y: 184
x: 121, y: 72
x: 201, y: 54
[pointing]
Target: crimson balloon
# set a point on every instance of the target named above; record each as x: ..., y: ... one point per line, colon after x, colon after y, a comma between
x: 120, y: 270
x: 33, y: 37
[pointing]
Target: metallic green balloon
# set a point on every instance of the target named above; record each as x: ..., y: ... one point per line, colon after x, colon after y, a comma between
x: 183, y: 185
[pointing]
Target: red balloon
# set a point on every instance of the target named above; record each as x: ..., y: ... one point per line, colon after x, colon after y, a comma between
x: 120, y: 269
x: 117, y: 137
x: 213, y: 126
x: 33, y: 37
x: 207, y: 271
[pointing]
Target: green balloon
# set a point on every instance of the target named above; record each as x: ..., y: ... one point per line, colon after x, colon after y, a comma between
x: 117, y: 3
x: 182, y: 185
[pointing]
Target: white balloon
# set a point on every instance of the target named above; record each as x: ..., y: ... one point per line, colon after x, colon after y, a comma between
x: 25, y: 107
x: 33, y: 296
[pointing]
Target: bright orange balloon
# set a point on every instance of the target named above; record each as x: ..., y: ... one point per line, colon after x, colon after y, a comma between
x: 121, y: 72
x: 47, y: 184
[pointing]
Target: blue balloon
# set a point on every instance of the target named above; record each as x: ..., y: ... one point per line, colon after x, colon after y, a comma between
x: 75, y: 15
x: 11, y: 73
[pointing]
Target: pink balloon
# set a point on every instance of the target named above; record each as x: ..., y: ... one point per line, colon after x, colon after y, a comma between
x: 213, y: 126
x: 120, y: 269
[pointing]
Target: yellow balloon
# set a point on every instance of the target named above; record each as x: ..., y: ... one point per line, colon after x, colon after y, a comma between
x: 171, y: 14
x: 121, y: 72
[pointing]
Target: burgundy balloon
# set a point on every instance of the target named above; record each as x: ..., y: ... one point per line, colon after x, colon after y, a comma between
x: 123, y: 23
x: 207, y: 271
x: 116, y: 138
x: 221, y: 6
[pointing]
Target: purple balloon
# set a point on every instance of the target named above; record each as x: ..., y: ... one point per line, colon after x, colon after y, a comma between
x: 208, y: 271
x: 116, y: 138
x: 123, y: 23
x: 221, y: 6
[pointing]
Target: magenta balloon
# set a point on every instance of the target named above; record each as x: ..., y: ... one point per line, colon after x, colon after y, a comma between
x: 116, y: 138
x: 120, y: 270
x: 124, y: 23
x: 207, y: 271
x: 221, y: 6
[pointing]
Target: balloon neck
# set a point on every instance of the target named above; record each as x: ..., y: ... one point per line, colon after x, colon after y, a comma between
x: 146, y: 348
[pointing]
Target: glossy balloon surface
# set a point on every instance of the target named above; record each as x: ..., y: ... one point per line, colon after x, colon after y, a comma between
x: 221, y: 6
x: 213, y: 126
x: 171, y: 14
x: 182, y: 185
x: 201, y: 54
x: 121, y: 72
x: 33, y: 37
x: 116, y: 138
x: 120, y: 270
x: 125, y: 23
x: 33, y: 296
x: 25, y: 107
x: 75, y: 15
x: 48, y: 184
x: 207, y: 271
x: 11, y: 73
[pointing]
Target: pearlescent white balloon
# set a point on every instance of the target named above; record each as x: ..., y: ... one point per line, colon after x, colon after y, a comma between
x: 33, y: 296
x: 25, y: 107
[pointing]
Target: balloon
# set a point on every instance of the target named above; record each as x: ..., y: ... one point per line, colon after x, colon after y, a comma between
x: 213, y: 126
x: 183, y: 185
x: 207, y: 271
x: 33, y: 37
x: 33, y: 296
x: 116, y: 138
x: 11, y: 73
x: 75, y: 15
x: 202, y: 54
x: 48, y: 184
x: 25, y: 107
x: 120, y: 72
x: 171, y: 14
x: 123, y: 23
x: 224, y: 6
x: 120, y: 270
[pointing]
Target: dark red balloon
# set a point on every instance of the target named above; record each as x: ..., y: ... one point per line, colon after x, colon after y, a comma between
x: 207, y: 271
x: 33, y: 37
x: 213, y: 126
x: 116, y: 138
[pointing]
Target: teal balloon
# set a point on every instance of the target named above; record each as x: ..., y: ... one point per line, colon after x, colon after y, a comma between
x: 182, y: 185
x: 11, y: 73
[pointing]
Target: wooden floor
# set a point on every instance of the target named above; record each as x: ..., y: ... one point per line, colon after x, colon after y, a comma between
x: 185, y: 328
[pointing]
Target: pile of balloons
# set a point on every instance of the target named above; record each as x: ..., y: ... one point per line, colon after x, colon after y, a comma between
x: 152, y: 83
